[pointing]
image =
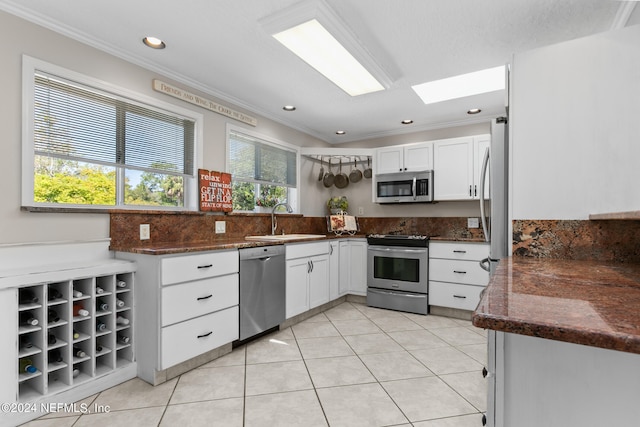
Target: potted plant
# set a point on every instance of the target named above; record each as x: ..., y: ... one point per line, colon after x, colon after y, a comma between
x: 337, y: 204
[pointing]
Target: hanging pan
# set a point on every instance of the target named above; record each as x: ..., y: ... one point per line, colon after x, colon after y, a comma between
x: 321, y: 174
x: 356, y: 174
x: 342, y: 180
x: 328, y: 178
x: 368, y: 172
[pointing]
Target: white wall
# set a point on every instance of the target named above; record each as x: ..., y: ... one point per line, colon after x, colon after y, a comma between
x: 21, y: 37
x: 575, y: 127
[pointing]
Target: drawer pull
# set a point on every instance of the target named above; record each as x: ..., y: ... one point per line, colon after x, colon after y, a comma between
x: 205, y: 266
x: 205, y: 335
x: 459, y: 272
x: 460, y: 296
x: 459, y: 252
x: 207, y: 297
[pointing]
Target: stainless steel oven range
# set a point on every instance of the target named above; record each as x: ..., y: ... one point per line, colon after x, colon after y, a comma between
x: 397, y: 272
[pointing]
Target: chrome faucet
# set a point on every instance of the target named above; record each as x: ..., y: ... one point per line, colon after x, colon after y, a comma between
x: 274, y: 222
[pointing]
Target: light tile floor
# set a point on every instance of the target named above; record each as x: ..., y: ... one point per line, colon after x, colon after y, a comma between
x: 352, y: 366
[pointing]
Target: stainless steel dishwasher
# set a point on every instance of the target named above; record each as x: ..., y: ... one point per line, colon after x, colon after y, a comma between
x: 262, y: 289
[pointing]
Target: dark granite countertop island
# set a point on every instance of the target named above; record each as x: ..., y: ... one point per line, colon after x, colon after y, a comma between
x: 583, y: 302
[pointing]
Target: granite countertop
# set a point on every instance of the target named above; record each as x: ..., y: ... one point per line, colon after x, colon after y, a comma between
x: 583, y: 302
x: 168, y: 248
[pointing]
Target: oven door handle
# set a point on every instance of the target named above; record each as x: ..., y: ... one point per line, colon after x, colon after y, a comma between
x: 413, y: 189
x: 404, y: 251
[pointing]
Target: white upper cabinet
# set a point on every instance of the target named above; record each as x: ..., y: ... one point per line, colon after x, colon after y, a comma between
x: 405, y: 158
x: 457, y: 167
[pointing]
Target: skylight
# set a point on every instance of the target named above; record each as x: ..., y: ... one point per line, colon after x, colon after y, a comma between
x: 318, y: 48
x: 461, y: 86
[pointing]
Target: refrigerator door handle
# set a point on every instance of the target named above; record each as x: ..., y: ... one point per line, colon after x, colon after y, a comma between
x: 485, y: 264
x: 483, y: 176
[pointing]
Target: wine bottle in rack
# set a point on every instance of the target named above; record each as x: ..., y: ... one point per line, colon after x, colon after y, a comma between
x: 98, y: 348
x: 119, y: 303
x: 53, y: 316
x: 27, y: 296
x: 100, y: 326
x: 78, y: 352
x: 99, y: 290
x: 102, y: 305
x: 120, y: 320
x: 121, y: 284
x: 55, y: 356
x: 27, y: 318
x: 78, y: 310
x: 76, y: 334
x: 123, y: 339
x: 25, y: 365
x: 54, y: 294
x: 51, y: 339
x: 77, y: 294
x: 25, y: 341
x: 76, y: 372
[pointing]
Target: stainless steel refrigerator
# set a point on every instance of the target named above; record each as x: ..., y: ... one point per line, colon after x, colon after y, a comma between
x: 494, y: 212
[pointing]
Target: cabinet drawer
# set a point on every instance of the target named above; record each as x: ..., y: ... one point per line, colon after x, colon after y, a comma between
x: 185, y: 340
x: 456, y: 250
x: 449, y: 270
x: 464, y: 297
x: 184, y: 301
x: 301, y: 250
x: 194, y: 267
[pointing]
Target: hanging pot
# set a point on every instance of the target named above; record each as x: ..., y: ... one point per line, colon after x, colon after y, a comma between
x: 321, y: 174
x: 342, y: 180
x: 368, y: 172
x: 328, y: 178
x: 355, y: 174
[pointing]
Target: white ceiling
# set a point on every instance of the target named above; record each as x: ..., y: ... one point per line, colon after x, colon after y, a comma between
x: 219, y: 47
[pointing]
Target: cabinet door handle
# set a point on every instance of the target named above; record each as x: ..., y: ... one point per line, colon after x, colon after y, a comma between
x: 311, y: 266
x: 485, y: 372
x: 308, y: 267
x: 459, y: 252
x: 475, y: 190
x: 460, y: 296
x: 330, y: 249
x: 205, y: 266
x: 459, y: 272
x: 470, y: 194
x: 205, y: 335
x: 207, y: 297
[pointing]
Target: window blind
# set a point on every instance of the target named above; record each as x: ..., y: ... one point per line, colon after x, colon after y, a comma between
x: 253, y: 160
x: 82, y: 124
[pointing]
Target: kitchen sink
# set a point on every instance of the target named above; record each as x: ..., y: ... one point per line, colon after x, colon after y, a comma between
x: 285, y: 237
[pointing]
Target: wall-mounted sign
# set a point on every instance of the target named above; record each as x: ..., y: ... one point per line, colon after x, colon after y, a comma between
x: 176, y: 92
x: 215, y: 191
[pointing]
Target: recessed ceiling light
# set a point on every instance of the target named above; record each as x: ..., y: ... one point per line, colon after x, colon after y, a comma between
x: 289, y: 108
x: 341, y: 132
x: 474, y: 111
x: 483, y: 81
x: 407, y: 122
x: 154, y: 42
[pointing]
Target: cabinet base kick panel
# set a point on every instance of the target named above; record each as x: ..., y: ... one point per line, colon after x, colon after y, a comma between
x: 196, y: 336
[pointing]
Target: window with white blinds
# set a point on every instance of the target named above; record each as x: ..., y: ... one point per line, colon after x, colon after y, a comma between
x: 95, y: 148
x: 264, y: 173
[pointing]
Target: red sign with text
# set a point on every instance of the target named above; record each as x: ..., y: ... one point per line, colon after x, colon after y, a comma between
x: 215, y: 191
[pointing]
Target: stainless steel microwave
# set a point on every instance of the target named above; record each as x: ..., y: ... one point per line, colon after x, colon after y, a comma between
x: 404, y: 187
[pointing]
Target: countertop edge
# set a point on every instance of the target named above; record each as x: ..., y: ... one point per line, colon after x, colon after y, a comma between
x: 610, y: 341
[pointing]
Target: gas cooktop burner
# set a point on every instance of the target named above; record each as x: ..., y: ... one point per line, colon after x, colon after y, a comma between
x: 398, y: 240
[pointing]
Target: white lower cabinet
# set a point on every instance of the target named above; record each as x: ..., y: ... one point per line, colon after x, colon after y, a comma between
x: 455, y: 276
x: 307, y: 276
x: 187, y: 306
x: 353, y: 267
